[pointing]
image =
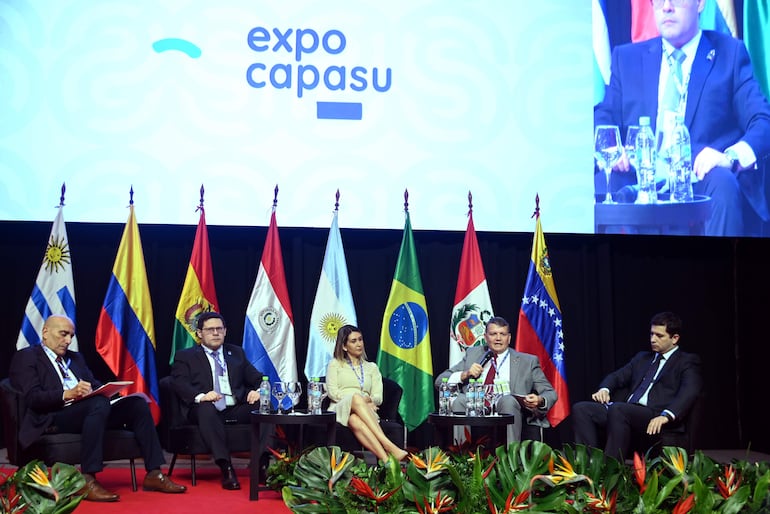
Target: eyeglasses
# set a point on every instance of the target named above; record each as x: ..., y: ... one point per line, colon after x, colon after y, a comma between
x: 657, y: 4
x: 213, y: 330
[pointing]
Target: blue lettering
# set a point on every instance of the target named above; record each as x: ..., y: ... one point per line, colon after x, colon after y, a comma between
x: 283, y: 40
x: 341, y: 42
x: 301, y: 47
x: 301, y: 84
x: 375, y: 83
x: 286, y: 69
x: 250, y: 75
x: 358, y: 78
x: 339, y: 72
x: 258, y: 35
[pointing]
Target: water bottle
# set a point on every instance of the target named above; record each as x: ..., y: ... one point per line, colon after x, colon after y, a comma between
x: 479, y: 396
x: 470, y: 398
x: 264, y: 396
x: 314, y: 395
x: 443, y: 397
x: 681, y: 162
x: 646, y: 159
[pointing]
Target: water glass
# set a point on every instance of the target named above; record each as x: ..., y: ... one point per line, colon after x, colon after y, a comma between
x: 294, y: 391
x: 607, y: 152
x: 279, y: 392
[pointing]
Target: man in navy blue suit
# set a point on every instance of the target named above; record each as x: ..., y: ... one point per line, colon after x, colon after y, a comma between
x: 724, y: 109
x: 654, y: 389
x: 217, y: 384
x: 53, y: 381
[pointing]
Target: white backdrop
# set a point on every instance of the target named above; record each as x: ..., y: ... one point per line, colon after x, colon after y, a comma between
x: 491, y: 96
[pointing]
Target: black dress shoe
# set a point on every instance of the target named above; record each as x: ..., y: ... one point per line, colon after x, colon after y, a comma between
x: 229, y: 479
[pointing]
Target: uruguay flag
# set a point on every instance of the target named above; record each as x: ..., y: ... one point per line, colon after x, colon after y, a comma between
x: 333, y: 305
x: 125, y: 332
x: 540, y: 329
x: 268, y: 334
x: 54, y: 291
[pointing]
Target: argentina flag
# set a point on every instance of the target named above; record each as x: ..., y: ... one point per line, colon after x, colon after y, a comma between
x: 333, y: 305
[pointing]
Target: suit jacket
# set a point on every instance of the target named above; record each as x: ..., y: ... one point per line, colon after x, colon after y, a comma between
x: 35, y: 376
x: 191, y: 374
x: 526, y: 377
x: 675, y: 388
x: 724, y: 101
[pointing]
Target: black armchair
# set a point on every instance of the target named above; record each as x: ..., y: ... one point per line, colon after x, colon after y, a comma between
x: 55, y: 447
x: 179, y: 436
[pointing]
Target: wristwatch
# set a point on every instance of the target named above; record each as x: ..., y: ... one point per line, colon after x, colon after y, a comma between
x: 732, y: 157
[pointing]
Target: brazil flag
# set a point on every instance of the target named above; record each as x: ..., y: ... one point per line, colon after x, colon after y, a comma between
x: 404, y: 354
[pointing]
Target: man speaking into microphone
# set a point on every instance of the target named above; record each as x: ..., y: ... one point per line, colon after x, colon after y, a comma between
x: 496, y: 361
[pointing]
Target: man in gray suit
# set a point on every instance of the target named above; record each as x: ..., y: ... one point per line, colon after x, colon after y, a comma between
x: 521, y: 370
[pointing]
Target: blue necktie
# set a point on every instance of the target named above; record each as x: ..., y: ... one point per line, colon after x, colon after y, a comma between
x: 219, y: 369
x: 672, y: 95
x: 652, y: 369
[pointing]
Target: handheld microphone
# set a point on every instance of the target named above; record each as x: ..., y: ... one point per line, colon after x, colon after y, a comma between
x: 486, y: 358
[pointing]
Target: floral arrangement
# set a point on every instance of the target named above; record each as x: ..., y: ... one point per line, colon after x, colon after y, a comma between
x: 523, y: 477
x: 34, y: 488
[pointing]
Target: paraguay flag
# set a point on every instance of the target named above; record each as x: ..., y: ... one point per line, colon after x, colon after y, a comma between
x: 540, y: 329
x: 404, y: 354
x: 54, y: 291
x: 333, y: 305
x: 125, y: 332
x: 472, y: 307
x: 268, y: 334
x: 198, y: 293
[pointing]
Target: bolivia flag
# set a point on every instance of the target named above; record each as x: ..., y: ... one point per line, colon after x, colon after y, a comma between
x: 198, y: 293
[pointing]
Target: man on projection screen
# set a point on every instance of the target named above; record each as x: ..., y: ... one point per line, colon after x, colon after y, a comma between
x: 724, y: 109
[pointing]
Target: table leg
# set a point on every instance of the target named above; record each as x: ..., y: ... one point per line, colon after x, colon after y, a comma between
x: 331, y: 433
x: 256, y: 453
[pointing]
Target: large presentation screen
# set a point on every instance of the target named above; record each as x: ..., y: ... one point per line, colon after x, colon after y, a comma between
x: 437, y: 97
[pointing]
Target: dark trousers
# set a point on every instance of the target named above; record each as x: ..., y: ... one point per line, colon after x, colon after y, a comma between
x: 91, y: 417
x: 211, y: 424
x: 618, y: 420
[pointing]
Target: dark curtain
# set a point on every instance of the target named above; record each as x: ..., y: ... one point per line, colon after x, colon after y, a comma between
x: 608, y: 286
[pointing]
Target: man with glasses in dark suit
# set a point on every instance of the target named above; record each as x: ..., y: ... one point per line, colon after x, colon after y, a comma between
x: 217, y: 384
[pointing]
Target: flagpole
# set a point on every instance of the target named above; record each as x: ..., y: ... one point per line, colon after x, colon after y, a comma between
x: 536, y: 214
x: 275, y: 198
x: 61, y: 198
x: 470, y: 203
x: 200, y: 205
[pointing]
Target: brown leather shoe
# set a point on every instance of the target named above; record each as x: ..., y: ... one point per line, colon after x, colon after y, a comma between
x: 157, y: 481
x: 94, y: 491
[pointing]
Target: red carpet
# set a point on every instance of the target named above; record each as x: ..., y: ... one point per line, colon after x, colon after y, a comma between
x: 207, y: 496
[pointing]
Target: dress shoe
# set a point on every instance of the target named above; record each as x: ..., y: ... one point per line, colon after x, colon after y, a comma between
x: 157, y: 481
x: 94, y: 491
x: 229, y: 479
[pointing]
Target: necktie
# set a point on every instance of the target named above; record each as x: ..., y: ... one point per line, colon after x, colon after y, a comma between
x: 672, y: 95
x: 219, y: 369
x: 492, y: 373
x: 652, y: 369
x: 67, y: 379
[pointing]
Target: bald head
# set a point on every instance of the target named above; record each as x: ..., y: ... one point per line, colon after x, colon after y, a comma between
x: 57, y: 333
